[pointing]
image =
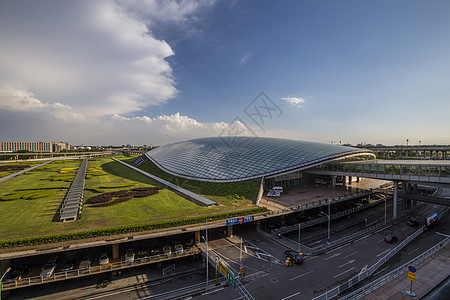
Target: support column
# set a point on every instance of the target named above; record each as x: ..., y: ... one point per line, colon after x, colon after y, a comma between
x: 260, y: 192
x: 344, y: 180
x: 197, y: 237
x: 350, y: 179
x: 358, y: 179
x: 115, y: 251
x: 229, y: 230
x: 395, y: 200
x: 333, y: 181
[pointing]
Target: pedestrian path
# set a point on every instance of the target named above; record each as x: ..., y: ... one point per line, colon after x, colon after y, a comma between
x: 428, y: 275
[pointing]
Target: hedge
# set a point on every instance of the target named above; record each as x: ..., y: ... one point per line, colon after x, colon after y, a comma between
x: 30, y: 241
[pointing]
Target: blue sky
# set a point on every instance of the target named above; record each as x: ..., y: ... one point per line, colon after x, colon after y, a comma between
x: 154, y: 72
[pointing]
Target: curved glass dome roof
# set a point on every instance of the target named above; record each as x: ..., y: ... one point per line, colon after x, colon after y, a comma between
x: 231, y: 159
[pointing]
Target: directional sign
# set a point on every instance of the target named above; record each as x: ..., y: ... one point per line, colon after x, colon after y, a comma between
x: 412, y: 269
x: 231, y: 280
x: 412, y: 276
x: 240, y: 220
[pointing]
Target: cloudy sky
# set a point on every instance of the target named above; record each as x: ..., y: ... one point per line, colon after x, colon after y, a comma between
x: 154, y: 72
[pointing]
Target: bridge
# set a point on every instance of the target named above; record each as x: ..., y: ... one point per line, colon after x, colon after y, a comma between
x: 410, y: 172
x: 436, y: 152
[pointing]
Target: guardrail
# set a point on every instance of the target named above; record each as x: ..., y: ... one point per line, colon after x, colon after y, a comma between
x: 319, y: 203
x: 30, y: 281
x: 367, y: 272
x: 368, y: 288
x: 214, y: 260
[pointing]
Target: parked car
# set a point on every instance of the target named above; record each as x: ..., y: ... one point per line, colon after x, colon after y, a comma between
x: 413, y: 222
x: 178, y: 248
x: 85, y: 264
x: 167, y: 250
x: 189, y: 244
x: 68, y: 266
x: 49, y: 267
x: 294, y: 256
x: 129, y: 256
x: 103, y: 259
x: 15, y: 274
x: 142, y: 254
x: 390, y: 239
x: 155, y: 251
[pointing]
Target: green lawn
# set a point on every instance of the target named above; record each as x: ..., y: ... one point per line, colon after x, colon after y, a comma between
x: 27, y: 163
x: 29, y: 203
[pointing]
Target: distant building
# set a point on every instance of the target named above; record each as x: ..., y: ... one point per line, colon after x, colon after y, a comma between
x: 34, y: 146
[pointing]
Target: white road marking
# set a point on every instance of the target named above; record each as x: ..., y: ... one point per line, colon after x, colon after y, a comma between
x: 349, y: 255
x: 293, y: 278
x: 383, y: 229
x: 334, y: 255
x: 349, y: 262
x: 405, y: 228
x: 362, y: 238
x: 384, y: 252
x: 380, y: 241
x: 293, y: 295
x: 210, y: 292
x: 316, y: 242
x: 343, y: 272
x: 413, y: 251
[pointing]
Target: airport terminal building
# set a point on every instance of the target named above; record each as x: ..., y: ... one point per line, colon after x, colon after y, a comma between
x: 277, y: 162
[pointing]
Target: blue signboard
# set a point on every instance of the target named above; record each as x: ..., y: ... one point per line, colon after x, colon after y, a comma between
x: 412, y: 269
x: 240, y: 220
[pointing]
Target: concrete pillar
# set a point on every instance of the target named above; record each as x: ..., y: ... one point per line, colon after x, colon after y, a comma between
x: 229, y: 230
x: 350, y: 179
x: 115, y: 251
x: 260, y: 192
x: 395, y: 200
x: 333, y: 181
x: 197, y: 237
x: 358, y: 179
x: 344, y: 180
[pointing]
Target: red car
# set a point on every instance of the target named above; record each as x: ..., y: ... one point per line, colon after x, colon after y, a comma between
x: 391, y: 239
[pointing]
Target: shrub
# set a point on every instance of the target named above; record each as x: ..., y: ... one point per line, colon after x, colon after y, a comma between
x: 124, y: 229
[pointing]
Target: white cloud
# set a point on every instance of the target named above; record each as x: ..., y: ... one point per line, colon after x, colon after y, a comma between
x: 297, y: 102
x: 97, y: 57
x: 15, y: 97
x: 245, y: 58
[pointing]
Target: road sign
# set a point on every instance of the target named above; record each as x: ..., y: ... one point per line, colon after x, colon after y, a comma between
x: 222, y: 269
x: 231, y: 280
x: 240, y: 220
x: 412, y: 276
x: 412, y: 269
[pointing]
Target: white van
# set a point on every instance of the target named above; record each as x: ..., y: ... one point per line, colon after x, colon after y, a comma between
x: 278, y: 189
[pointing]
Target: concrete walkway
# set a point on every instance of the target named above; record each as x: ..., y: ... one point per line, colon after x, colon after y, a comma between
x: 428, y: 275
x: 23, y: 171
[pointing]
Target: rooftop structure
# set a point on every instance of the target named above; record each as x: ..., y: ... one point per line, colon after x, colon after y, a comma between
x: 232, y: 159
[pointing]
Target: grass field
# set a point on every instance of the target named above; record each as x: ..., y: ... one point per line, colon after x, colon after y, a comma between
x: 29, y: 203
x: 27, y: 163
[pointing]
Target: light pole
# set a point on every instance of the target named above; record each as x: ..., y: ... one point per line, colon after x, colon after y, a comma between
x: 207, y: 257
x: 298, y: 245
x: 328, y: 216
x: 385, y: 208
x: 1, y: 279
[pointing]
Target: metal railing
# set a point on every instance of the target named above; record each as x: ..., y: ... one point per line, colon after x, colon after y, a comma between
x: 96, y: 269
x: 367, y: 272
x: 368, y: 288
x: 320, y: 203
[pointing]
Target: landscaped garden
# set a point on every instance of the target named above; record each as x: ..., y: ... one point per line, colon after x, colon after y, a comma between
x: 116, y: 200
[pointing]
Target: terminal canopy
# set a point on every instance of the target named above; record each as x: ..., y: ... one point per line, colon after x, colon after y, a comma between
x: 232, y: 159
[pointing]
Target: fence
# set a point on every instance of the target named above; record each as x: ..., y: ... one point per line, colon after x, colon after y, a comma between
x: 368, y: 288
x: 95, y: 270
x: 367, y: 272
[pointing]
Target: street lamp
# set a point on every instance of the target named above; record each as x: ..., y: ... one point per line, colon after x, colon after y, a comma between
x: 385, y: 208
x: 207, y: 257
x: 1, y: 279
x: 328, y: 216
